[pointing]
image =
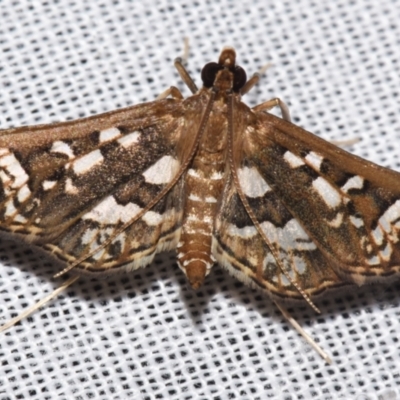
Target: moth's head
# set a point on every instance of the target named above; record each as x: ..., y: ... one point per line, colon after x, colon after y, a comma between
x: 225, y: 74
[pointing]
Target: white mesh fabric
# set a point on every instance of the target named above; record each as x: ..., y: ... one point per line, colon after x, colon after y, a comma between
x: 147, y: 335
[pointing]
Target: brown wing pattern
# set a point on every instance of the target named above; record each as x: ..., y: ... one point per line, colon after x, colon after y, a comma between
x: 240, y: 249
x: 71, y: 186
x: 308, y: 193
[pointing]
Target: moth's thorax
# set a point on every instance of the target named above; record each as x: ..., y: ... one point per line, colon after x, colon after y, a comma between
x: 215, y: 137
x: 223, y: 81
x: 203, y: 187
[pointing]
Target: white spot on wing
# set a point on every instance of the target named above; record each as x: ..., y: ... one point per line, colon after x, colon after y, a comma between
x: 110, y: 212
x: 88, y: 236
x: 70, y: 188
x: 23, y: 193
x: 10, y: 208
x: 373, y: 261
x: 337, y: 221
x: 390, y: 215
x: 314, y: 159
x: 21, y: 219
x: 109, y: 134
x: 47, y: 185
x: 152, y: 218
x: 62, y: 147
x: 246, y: 232
x: 293, y: 160
x: 377, y: 235
x: 386, y: 252
x: 291, y: 236
x: 357, y: 222
x: 84, y: 164
x: 162, y: 171
x: 130, y: 139
x: 6, y: 181
x: 194, y: 197
x: 99, y: 255
x: 13, y: 167
x: 252, y: 183
x: 299, y: 265
x: 194, y: 173
x: 284, y: 280
x: 355, y: 182
x: 327, y: 192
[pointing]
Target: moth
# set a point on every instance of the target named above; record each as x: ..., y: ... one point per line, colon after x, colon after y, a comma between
x: 219, y: 182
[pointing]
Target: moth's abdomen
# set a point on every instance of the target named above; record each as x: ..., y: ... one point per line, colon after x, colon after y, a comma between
x: 203, y: 189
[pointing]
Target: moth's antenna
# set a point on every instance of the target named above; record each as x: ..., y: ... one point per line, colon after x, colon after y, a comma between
x: 28, y: 311
x: 303, y: 333
x: 276, y: 102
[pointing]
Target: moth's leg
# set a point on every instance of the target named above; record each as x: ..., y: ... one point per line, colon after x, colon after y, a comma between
x: 250, y: 83
x: 303, y: 333
x: 254, y: 80
x: 173, y: 91
x: 286, y: 115
x: 274, y: 103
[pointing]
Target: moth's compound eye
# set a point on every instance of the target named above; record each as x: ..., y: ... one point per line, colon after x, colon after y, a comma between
x: 239, y: 78
x: 209, y: 73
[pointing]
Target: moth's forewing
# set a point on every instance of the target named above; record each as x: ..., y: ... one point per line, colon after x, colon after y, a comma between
x: 69, y: 186
x: 333, y: 218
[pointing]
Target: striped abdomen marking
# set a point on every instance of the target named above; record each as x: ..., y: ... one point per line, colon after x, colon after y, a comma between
x: 203, y: 188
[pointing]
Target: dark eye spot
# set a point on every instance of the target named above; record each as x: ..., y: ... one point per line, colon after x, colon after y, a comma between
x: 239, y: 78
x: 209, y: 73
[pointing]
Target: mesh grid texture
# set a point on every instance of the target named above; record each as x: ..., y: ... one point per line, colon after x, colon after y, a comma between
x: 148, y: 335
